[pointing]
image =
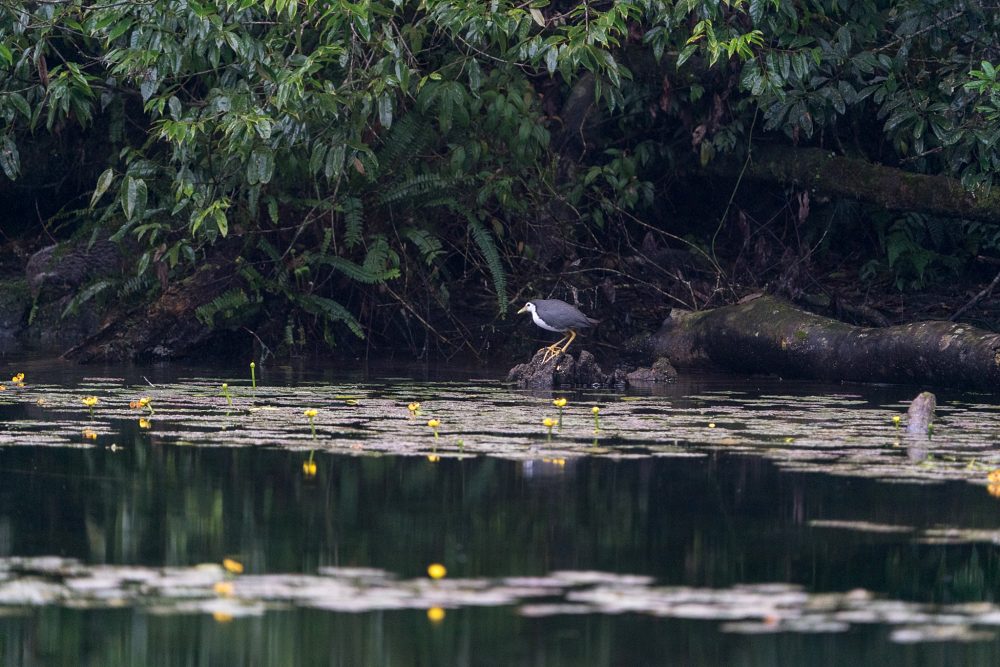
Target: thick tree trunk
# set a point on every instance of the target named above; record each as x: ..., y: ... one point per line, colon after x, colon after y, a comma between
x: 767, y: 335
x: 824, y: 172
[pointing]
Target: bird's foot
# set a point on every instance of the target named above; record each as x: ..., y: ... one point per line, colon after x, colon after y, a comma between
x: 551, y: 352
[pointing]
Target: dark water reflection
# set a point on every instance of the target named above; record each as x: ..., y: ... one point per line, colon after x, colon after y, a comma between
x: 701, y: 522
x: 483, y: 637
x: 712, y: 521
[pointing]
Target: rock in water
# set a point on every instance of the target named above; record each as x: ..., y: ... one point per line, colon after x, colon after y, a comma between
x: 661, y: 371
x: 563, y: 371
x: 920, y: 416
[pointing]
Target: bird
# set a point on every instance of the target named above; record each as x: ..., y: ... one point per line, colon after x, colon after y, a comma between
x: 556, y: 315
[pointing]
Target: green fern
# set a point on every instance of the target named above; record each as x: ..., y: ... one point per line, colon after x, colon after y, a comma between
x: 353, y: 221
x: 228, y: 303
x: 329, y: 309
x: 424, y: 189
x: 381, y: 259
x: 410, y: 135
x: 134, y: 285
x: 327, y: 240
x: 429, y: 245
x: 269, y: 250
x: 488, y: 247
x: 85, y: 295
x: 449, y: 98
x: 361, y: 274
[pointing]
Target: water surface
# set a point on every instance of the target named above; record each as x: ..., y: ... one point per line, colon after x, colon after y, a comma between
x: 718, y: 521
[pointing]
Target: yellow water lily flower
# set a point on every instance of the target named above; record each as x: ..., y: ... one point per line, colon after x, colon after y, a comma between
x: 224, y: 588
x: 436, y: 571
x: 233, y: 566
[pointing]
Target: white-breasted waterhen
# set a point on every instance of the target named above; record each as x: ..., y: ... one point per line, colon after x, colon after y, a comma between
x: 556, y: 315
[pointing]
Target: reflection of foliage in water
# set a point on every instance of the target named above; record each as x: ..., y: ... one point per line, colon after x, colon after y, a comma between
x: 759, y: 608
x: 657, y: 496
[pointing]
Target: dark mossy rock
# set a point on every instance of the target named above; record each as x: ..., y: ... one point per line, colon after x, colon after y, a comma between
x: 661, y: 371
x: 563, y: 371
x: 58, y: 270
x: 50, y: 332
x: 15, y: 302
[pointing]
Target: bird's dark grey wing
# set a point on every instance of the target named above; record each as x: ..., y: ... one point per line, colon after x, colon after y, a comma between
x: 568, y: 316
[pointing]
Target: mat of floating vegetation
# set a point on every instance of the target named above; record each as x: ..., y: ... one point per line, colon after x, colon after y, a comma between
x: 840, y: 434
x: 211, y: 589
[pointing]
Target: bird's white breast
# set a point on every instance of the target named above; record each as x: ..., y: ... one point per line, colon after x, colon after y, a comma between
x: 538, y: 321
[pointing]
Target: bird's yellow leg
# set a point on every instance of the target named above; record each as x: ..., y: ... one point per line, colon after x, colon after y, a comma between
x: 572, y: 336
x: 553, y: 350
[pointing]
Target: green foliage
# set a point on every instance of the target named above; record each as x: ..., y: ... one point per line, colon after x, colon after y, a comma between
x: 341, y: 145
x: 85, y: 295
x: 921, y: 250
x: 228, y: 304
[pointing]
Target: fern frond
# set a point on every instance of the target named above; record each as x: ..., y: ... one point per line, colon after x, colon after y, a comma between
x: 410, y: 135
x: 484, y: 240
x: 269, y: 250
x: 420, y: 189
x: 427, y: 244
x: 134, y: 285
x: 85, y: 295
x: 331, y: 310
x: 327, y: 239
x: 354, y: 221
x: 361, y: 274
x: 228, y: 303
x: 381, y: 259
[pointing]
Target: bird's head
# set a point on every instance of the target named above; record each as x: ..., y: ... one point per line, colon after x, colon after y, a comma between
x: 528, y: 308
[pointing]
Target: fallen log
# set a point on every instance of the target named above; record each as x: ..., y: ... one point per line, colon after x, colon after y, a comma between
x: 824, y: 172
x: 768, y: 335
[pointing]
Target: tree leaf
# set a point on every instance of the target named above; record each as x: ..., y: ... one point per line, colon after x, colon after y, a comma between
x: 103, y: 183
x: 385, y: 110
x: 260, y: 168
x: 10, y: 160
x: 133, y: 197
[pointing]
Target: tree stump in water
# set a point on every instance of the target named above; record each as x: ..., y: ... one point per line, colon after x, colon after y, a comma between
x: 768, y: 335
x: 920, y: 415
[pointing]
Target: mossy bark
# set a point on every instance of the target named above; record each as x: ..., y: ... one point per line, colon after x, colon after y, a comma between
x: 824, y: 172
x: 767, y: 335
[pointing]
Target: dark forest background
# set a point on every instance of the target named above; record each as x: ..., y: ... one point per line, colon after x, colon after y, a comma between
x: 393, y: 175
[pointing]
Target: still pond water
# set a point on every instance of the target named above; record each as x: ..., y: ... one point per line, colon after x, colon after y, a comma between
x: 715, y: 521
